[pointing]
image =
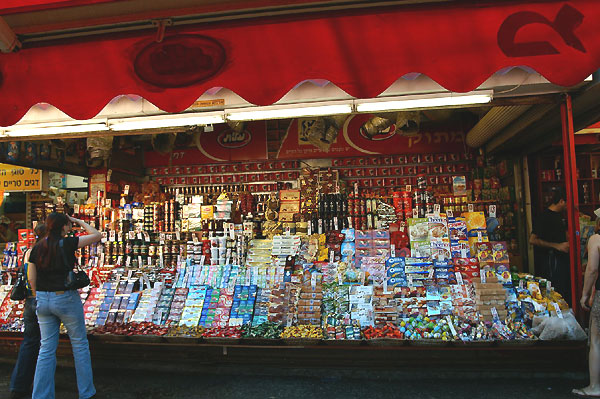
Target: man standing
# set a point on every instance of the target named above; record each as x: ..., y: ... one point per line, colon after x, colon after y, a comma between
x: 551, y: 248
x: 6, y: 233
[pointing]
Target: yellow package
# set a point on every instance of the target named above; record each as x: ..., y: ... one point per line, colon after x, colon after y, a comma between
x: 207, y: 211
x: 475, y: 220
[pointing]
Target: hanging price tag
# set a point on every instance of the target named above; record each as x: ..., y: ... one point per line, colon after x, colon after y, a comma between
x: 449, y: 213
x: 408, y: 188
x: 287, y: 230
x: 320, y: 226
x: 340, y: 278
x: 393, y: 250
x: 146, y: 236
x: 112, y: 235
x: 410, y: 281
x: 335, y: 223
x: 415, y: 213
x: 131, y: 235
x: 108, y: 203
x: 128, y: 261
x: 350, y: 225
x: 313, y: 280
x: 459, y: 278
x: 470, y: 207
x: 120, y: 236
x: 126, y: 189
x: 385, y: 285
x: 140, y: 261
x: 120, y: 260
x: 479, y: 236
x: 76, y: 209
x: 309, y: 228
x: 178, y: 236
x: 483, y: 276
x: 522, y: 284
x: 161, y: 238
x: 430, y: 275
x: 195, y: 238
x: 492, y: 211
x: 331, y: 256
x: 149, y: 261
x: 436, y: 209
x: 140, y: 236
x: 202, y: 258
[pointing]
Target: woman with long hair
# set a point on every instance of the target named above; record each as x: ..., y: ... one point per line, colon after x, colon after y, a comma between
x: 56, y: 304
x: 22, y: 375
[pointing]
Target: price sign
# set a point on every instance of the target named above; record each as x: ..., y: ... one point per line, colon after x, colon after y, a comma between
x: 492, y: 211
x: 309, y: 228
x: 112, y: 235
x: 408, y: 188
x: 449, y: 213
x: 126, y: 189
x: 335, y: 223
x: 16, y: 178
x: 120, y: 236
x: 108, y: 203
x: 415, y: 213
x: 161, y: 238
x: 479, y: 236
x: 140, y: 236
x: 131, y: 235
x: 470, y: 207
x: 436, y: 209
x: 495, y: 314
x: 320, y: 226
x: 558, y: 311
x: 76, y: 209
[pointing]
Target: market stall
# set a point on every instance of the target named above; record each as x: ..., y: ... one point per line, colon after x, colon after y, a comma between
x: 365, y: 220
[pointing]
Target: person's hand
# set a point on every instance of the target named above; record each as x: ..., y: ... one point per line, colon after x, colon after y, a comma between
x: 73, y: 220
x: 585, y: 302
x: 562, y: 247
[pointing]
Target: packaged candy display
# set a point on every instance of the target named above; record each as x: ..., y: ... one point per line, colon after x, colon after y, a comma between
x: 334, y: 253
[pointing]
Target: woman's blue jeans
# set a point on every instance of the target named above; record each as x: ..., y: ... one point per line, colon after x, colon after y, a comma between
x: 22, y: 376
x: 52, y: 309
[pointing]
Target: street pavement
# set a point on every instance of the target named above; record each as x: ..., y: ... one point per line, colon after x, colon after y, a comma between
x: 122, y: 383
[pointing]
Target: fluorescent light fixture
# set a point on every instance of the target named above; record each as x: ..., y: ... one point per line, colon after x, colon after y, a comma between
x: 47, y: 129
x: 423, y: 101
x: 166, y: 121
x: 289, y: 111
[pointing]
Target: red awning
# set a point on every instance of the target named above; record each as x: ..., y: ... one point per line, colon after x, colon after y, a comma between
x: 362, y: 51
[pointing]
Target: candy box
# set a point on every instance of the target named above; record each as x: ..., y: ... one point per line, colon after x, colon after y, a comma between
x: 500, y: 252
x: 421, y: 249
x: 457, y: 229
x: 418, y: 229
x: 484, y: 251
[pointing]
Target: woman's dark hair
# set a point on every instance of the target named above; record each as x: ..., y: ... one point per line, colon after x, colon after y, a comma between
x: 40, y: 232
x: 558, y: 194
x: 46, y: 250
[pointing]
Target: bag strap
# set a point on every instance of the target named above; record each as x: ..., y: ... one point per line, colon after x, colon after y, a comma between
x: 62, y: 251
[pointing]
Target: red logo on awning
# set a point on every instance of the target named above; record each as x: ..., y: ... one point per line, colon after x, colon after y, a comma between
x: 565, y: 23
x: 179, y: 61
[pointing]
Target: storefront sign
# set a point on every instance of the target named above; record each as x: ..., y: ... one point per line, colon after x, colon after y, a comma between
x: 351, y: 142
x: 224, y: 144
x: 17, y: 178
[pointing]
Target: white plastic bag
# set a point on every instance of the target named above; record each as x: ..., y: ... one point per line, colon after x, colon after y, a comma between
x: 555, y: 328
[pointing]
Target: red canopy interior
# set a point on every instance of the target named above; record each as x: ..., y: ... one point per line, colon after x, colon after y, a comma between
x: 361, y: 51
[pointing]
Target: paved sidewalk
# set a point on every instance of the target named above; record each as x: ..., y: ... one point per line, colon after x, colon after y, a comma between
x: 122, y: 384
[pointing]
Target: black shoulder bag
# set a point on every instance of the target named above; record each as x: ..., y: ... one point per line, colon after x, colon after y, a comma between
x: 19, y: 290
x: 74, y: 280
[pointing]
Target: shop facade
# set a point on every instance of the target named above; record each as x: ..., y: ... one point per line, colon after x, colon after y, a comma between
x: 349, y: 208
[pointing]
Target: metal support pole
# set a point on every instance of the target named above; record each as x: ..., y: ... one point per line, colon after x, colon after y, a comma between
x: 568, y: 141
